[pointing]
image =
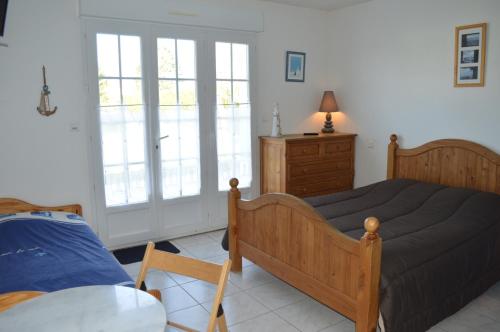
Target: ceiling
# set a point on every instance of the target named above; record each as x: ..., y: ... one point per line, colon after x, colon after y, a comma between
x: 321, y: 4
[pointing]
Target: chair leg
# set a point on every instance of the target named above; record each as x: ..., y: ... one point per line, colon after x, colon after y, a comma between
x: 156, y: 293
x: 181, y: 327
x: 221, y: 322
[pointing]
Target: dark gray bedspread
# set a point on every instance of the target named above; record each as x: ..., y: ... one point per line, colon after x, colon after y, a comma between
x: 440, y: 249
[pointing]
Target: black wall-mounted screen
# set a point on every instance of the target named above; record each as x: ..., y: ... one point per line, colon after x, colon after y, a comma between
x: 3, y: 15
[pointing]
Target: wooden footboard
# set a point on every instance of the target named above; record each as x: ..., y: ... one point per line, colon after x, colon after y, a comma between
x: 287, y: 237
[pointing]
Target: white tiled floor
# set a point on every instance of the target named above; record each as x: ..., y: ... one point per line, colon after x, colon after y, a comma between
x: 257, y: 301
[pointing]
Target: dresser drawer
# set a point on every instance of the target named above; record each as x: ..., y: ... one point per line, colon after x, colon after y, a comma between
x: 331, y: 185
x: 308, y: 151
x: 303, y: 169
x: 336, y: 148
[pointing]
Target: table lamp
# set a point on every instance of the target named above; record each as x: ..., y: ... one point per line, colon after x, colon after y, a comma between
x: 328, y: 105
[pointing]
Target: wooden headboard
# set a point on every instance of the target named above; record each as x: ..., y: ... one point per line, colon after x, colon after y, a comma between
x: 451, y: 162
x: 12, y: 205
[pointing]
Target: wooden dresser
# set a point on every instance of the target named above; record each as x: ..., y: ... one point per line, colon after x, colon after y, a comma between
x: 307, y: 165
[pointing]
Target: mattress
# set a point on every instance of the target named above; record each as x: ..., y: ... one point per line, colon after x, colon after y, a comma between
x: 50, y: 251
x: 440, y: 249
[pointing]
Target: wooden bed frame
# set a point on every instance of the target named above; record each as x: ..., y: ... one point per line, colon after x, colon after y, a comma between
x: 287, y: 237
x: 12, y: 205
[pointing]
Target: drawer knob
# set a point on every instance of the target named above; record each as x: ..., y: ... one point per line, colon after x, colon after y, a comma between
x: 304, y: 190
x: 304, y: 150
x: 304, y: 170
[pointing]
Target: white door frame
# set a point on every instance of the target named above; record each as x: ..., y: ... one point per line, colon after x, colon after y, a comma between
x: 218, y: 202
x: 94, y: 26
x: 215, y: 205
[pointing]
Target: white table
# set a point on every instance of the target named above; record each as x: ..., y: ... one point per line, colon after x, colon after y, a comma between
x: 87, y: 309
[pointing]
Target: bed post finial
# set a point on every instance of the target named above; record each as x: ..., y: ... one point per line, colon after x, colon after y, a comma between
x: 233, y: 197
x: 234, y: 182
x: 370, y: 256
x: 372, y: 226
x: 391, y: 157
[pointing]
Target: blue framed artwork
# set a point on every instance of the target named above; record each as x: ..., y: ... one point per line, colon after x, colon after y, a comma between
x: 295, y: 66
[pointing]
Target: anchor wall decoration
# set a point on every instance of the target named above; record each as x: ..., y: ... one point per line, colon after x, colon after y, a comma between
x: 44, y: 108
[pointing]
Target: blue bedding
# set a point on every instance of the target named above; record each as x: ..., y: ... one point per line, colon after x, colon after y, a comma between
x: 49, y: 251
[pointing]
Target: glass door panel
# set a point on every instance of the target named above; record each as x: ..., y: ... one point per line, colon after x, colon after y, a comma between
x: 122, y: 119
x: 179, y: 118
x: 234, y: 140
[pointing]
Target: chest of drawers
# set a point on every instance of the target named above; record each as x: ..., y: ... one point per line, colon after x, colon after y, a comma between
x: 307, y: 165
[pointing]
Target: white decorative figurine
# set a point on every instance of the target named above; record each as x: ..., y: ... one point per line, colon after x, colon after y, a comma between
x: 276, y: 131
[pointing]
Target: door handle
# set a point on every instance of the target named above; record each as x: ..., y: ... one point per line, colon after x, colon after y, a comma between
x: 159, y: 140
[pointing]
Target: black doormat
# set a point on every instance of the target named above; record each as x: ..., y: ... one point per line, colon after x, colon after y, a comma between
x: 136, y: 254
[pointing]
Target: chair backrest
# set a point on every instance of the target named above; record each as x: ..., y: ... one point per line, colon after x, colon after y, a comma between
x: 191, y: 267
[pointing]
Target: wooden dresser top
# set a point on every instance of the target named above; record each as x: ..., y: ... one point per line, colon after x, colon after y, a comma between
x: 301, y: 137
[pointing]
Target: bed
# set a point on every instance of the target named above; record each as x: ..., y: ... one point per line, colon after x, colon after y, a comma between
x: 439, y: 212
x: 52, y: 248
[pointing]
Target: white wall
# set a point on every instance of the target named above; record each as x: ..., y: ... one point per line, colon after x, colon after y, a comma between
x: 43, y: 162
x: 289, y: 28
x: 391, y: 64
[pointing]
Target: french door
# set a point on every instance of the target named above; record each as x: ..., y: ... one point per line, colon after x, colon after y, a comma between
x: 171, y: 118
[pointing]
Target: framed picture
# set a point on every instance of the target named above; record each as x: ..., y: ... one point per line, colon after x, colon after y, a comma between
x: 295, y: 66
x: 470, y: 55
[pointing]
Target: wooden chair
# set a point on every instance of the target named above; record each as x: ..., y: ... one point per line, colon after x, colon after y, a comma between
x: 194, y: 268
x: 8, y: 300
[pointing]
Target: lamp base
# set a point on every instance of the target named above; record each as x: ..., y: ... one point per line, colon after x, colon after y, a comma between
x: 328, y: 126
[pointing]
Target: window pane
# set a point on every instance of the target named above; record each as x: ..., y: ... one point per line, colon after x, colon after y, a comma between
x: 187, y: 92
x: 234, y: 148
x: 166, y: 58
x: 225, y: 170
x: 187, y: 59
x: 240, y: 61
x: 225, y: 140
x: 224, y: 96
x: 168, y: 113
x: 132, y: 92
x: 189, y: 113
x: 137, y: 183
x: 133, y: 113
x: 130, y: 52
x: 114, y: 185
x: 135, y: 142
x: 240, y: 92
x: 242, y: 136
x: 170, y: 149
x: 168, y: 92
x: 243, y: 169
x: 181, y: 146
x: 180, y: 152
x: 107, y: 55
x: 123, y: 127
x: 190, y: 177
x: 112, y: 144
x: 223, y: 60
x: 109, y: 92
x: 188, y: 134
x: 171, y: 179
